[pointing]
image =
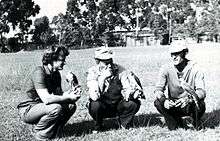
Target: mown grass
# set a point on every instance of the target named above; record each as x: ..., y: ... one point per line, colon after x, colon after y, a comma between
x: 143, y: 61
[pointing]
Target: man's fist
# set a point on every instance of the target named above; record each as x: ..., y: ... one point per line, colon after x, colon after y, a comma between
x: 169, y: 104
x: 183, y: 102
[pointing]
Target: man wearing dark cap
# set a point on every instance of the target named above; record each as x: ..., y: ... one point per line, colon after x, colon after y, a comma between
x: 185, y: 86
x: 112, y: 91
x: 46, y: 105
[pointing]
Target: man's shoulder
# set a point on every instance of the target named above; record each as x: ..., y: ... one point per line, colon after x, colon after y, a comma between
x: 167, y: 66
x: 196, y: 66
x: 38, y: 69
x: 119, y: 68
x: 93, y: 72
x: 93, y: 69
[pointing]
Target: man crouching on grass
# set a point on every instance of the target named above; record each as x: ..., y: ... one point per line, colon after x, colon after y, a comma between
x: 186, y: 89
x: 113, y: 92
x: 46, y: 105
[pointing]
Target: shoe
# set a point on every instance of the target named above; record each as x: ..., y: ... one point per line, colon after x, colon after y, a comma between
x: 189, y: 122
x: 36, y: 135
x: 197, y: 125
x: 162, y: 121
x: 94, y: 131
x: 122, y: 127
x: 120, y: 124
x: 98, y: 128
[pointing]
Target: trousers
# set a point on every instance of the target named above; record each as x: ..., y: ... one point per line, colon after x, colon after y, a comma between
x: 125, y: 110
x: 47, y: 119
x: 173, y: 115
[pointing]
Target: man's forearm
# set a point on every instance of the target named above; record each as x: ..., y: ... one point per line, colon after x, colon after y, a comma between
x: 160, y: 95
x: 93, y: 89
x: 101, y: 82
x: 201, y: 93
x: 59, y: 99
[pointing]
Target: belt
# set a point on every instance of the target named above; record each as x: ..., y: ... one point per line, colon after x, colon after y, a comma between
x: 27, y: 103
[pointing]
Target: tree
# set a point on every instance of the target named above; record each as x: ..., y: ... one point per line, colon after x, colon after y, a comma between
x: 98, y: 18
x: 164, y: 15
x: 88, y: 22
x: 204, y: 20
x: 60, y: 25
x: 17, y: 13
x: 13, y: 44
x: 209, y: 22
x: 43, y: 34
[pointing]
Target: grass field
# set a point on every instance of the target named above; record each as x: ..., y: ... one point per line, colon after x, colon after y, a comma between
x: 143, y: 61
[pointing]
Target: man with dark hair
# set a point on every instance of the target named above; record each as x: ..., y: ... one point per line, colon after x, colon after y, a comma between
x: 46, y: 105
x: 112, y: 91
x: 186, y: 89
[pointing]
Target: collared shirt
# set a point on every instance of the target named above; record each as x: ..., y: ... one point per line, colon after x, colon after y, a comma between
x: 169, y: 76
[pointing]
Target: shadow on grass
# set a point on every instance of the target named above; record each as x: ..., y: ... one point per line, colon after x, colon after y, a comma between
x: 86, y: 127
x: 211, y: 119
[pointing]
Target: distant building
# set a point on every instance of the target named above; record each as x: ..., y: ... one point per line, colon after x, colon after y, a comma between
x: 143, y: 37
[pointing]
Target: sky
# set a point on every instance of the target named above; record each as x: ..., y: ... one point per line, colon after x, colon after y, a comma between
x: 51, y: 8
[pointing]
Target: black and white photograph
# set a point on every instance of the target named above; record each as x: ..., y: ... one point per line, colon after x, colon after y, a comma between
x: 109, y: 70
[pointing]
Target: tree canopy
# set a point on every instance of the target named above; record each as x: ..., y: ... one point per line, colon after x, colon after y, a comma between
x: 89, y: 23
x: 43, y: 33
x: 16, y: 13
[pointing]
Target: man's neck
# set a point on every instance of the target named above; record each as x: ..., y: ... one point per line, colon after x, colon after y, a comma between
x: 182, y: 65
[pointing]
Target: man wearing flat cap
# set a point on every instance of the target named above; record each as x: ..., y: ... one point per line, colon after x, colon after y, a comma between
x: 185, y: 89
x: 113, y: 92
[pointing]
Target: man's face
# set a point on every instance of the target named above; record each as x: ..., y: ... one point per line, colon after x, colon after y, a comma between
x: 59, y: 63
x: 104, y: 64
x: 177, y: 57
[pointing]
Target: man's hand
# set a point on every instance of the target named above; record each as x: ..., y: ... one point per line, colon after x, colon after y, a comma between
x: 183, y: 102
x: 75, y: 95
x: 106, y: 72
x: 191, y: 91
x: 168, y: 104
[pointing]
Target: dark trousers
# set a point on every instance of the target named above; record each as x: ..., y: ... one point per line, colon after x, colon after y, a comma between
x: 173, y: 115
x: 125, y: 110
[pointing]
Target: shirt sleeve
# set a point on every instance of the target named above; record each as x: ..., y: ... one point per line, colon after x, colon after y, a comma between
x: 92, y: 84
x: 199, y: 81
x: 162, y: 80
x: 126, y: 86
x: 200, y: 85
x: 131, y: 85
x: 38, y: 78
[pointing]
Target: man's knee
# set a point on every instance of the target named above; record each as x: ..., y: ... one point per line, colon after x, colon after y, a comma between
x: 94, y: 106
x: 158, y: 104
x: 131, y: 106
x: 55, y: 109
x: 135, y: 105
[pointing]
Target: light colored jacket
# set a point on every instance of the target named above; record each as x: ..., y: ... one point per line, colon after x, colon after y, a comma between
x: 128, y: 86
x: 169, y: 77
